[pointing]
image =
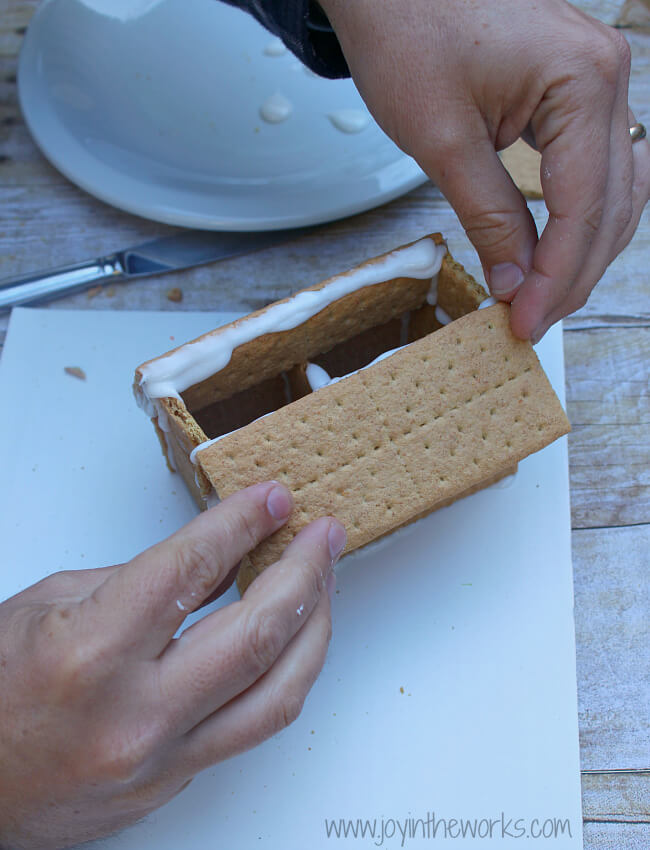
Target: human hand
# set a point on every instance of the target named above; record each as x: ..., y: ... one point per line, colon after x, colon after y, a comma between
x: 454, y: 81
x: 104, y: 716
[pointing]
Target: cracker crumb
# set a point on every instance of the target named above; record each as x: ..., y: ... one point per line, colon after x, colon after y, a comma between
x: 93, y: 291
x: 75, y: 372
x: 175, y: 294
x: 401, y: 690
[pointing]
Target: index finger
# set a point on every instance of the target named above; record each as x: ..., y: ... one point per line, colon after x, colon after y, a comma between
x: 144, y: 603
x: 226, y: 652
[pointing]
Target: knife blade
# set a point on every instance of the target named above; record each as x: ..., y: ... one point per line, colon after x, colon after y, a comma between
x: 157, y: 256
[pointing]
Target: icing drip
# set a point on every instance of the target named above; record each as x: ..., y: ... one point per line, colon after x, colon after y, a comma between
x: 349, y: 120
x: 316, y: 376
x: 443, y: 317
x: 489, y: 302
x: 275, y: 47
x: 276, y: 109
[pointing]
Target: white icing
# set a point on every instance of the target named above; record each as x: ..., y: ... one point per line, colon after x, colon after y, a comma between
x: 432, y: 294
x: 276, y: 108
x: 170, y: 454
x: 504, y: 483
x: 381, y: 357
x: 316, y: 376
x: 156, y: 411
x: 160, y: 414
x: 275, y: 47
x: 211, y: 500
x: 443, y: 317
x: 193, y: 362
x: 371, y: 549
x: 350, y: 120
x: 489, y: 302
x: 205, y: 445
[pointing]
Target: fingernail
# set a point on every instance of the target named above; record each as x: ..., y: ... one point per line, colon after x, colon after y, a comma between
x: 330, y: 584
x: 278, y: 502
x: 504, y: 277
x: 336, y: 538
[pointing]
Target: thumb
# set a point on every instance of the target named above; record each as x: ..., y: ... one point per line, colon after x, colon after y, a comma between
x: 490, y: 207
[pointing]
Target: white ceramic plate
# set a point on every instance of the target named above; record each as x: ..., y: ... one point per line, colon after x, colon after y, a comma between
x: 153, y: 106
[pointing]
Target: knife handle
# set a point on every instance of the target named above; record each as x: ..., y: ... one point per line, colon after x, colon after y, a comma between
x: 40, y: 287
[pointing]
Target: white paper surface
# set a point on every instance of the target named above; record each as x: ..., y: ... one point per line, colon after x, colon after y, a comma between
x: 470, y: 612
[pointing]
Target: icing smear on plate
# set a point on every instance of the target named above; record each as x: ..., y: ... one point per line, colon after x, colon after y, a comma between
x: 276, y: 108
x: 275, y: 47
x: 349, y: 120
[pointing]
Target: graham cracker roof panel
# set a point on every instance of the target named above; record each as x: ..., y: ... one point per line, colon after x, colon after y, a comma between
x: 385, y: 445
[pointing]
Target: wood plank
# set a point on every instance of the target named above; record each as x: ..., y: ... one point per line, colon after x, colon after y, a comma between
x: 634, y: 14
x: 53, y: 224
x: 612, y: 600
x: 622, y: 797
x: 616, y: 811
x: 608, y: 403
x: 615, y: 836
x: 607, y: 11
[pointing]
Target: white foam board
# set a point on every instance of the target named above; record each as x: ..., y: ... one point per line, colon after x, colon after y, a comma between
x: 449, y: 691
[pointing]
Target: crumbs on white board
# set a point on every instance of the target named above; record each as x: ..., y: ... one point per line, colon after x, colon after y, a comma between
x: 75, y: 372
x: 276, y: 108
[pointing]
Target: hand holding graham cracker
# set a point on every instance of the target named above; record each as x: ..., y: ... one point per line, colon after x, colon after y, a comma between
x: 378, y: 396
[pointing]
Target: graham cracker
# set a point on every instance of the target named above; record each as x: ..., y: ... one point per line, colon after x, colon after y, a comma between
x: 450, y: 413
x: 523, y: 164
x: 339, y: 324
x: 400, y: 438
x: 271, y: 353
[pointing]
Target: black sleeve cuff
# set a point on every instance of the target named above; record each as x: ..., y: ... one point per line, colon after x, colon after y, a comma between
x: 304, y: 28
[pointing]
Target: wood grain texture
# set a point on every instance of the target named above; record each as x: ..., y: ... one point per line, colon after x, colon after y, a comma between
x: 612, y: 600
x: 614, y: 796
x: 635, y: 13
x: 616, y: 811
x: 608, y: 398
x: 45, y: 220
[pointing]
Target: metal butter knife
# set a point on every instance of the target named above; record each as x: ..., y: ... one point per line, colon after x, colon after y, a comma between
x: 169, y: 253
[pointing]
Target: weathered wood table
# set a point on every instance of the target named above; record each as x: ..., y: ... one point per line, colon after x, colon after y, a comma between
x: 46, y: 221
